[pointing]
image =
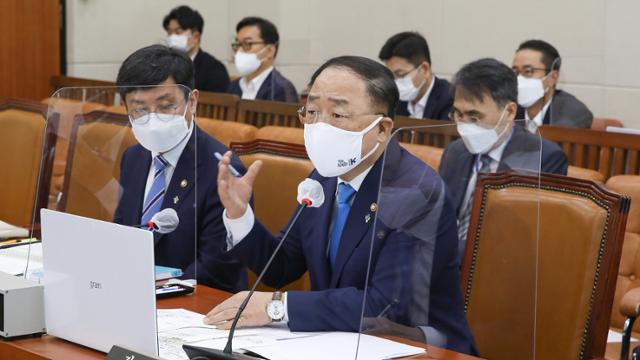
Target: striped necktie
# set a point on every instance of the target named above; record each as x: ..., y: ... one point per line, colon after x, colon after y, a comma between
x: 463, y: 224
x: 154, y: 198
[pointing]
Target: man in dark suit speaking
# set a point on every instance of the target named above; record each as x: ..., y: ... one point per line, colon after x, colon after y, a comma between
x: 155, y: 83
x: 484, y: 109
x: 348, y: 115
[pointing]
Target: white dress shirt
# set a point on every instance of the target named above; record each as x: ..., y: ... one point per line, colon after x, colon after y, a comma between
x: 250, y: 88
x: 533, y: 124
x: 238, y: 229
x: 172, y: 156
x: 416, y: 110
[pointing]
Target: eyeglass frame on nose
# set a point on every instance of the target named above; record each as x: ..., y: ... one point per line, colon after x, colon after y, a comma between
x: 336, y: 117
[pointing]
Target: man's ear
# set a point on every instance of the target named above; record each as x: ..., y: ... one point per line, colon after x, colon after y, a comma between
x: 426, y: 67
x: 385, y: 126
x: 554, y: 76
x: 193, y: 101
x: 512, y: 110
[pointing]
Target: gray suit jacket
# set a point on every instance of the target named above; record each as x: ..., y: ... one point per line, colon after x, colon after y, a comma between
x: 521, y: 153
x: 565, y: 110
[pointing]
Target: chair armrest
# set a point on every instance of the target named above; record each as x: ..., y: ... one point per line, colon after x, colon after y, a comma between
x: 630, y: 303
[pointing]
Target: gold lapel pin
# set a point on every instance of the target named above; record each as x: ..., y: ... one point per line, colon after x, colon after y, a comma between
x: 176, y: 199
x: 184, y: 183
x: 373, y: 207
x: 367, y: 218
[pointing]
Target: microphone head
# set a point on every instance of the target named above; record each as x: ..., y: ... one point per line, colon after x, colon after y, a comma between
x: 310, y: 192
x: 165, y: 221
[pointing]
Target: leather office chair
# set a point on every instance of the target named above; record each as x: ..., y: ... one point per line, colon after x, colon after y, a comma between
x: 585, y: 174
x: 26, y: 160
x: 541, y: 292
x: 289, y: 135
x: 92, y: 173
x: 227, y: 131
x: 626, y: 303
x: 274, y: 195
x: 429, y: 154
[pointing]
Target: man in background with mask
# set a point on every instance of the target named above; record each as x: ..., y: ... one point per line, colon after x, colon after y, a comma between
x: 484, y: 108
x: 422, y: 94
x: 348, y: 115
x: 159, y: 171
x: 537, y: 64
x: 184, y: 32
x: 255, y: 47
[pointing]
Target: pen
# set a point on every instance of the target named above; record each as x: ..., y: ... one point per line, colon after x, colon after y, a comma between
x: 231, y: 168
x: 384, y: 311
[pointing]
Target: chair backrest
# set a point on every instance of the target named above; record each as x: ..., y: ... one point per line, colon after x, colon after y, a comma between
x: 227, y: 131
x: 542, y: 289
x: 607, y: 152
x: 217, y: 106
x: 262, y: 113
x: 274, y: 195
x: 91, y: 181
x: 629, y: 271
x: 289, y: 135
x: 429, y: 154
x: 86, y: 90
x: 585, y: 174
x: 437, y: 133
x: 602, y: 123
x: 26, y: 159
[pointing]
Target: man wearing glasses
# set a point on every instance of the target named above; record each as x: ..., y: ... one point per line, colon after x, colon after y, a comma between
x: 537, y: 65
x: 347, y: 127
x: 422, y: 94
x: 255, y: 48
x: 156, y: 85
x: 484, y: 108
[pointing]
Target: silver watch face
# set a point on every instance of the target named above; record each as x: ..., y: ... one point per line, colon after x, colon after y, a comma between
x: 275, y: 310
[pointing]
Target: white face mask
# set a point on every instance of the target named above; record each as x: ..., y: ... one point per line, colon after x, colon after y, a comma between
x: 178, y: 42
x: 530, y: 90
x: 246, y: 63
x: 160, y: 136
x: 408, y: 91
x: 479, y: 140
x: 334, y: 151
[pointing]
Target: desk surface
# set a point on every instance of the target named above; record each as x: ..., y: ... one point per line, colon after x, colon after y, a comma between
x: 49, y: 347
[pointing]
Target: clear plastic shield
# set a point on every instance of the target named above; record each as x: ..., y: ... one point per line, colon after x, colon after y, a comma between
x: 455, y: 265
x: 126, y: 169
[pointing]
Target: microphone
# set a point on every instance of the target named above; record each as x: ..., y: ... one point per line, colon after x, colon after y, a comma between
x: 310, y: 194
x: 163, y: 222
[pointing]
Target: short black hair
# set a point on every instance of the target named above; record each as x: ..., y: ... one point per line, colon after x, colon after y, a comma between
x: 486, y: 77
x: 186, y: 17
x: 408, y: 45
x: 268, y: 31
x: 550, y: 55
x: 379, y: 80
x: 152, y: 65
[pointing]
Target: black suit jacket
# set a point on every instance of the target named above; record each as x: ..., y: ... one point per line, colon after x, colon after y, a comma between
x: 211, y: 75
x: 521, y: 153
x: 439, y: 102
x: 275, y: 88
x: 214, y: 266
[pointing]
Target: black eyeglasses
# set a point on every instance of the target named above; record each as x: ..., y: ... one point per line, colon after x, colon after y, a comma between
x: 245, y: 45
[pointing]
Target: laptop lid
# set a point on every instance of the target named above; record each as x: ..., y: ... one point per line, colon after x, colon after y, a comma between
x: 99, y: 283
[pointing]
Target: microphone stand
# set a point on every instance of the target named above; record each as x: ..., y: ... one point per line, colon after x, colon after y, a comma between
x: 227, y: 354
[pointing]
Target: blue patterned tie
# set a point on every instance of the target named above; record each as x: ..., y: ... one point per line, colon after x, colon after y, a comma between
x: 345, y: 192
x: 155, y: 196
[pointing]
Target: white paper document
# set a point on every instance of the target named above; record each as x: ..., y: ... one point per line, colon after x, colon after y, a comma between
x: 13, y: 260
x: 10, y: 231
x: 616, y: 337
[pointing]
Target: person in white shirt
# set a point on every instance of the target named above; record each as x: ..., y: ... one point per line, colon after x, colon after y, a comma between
x: 256, y: 47
x: 422, y: 94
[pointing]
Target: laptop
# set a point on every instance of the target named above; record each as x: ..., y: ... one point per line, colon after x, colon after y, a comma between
x: 99, y: 283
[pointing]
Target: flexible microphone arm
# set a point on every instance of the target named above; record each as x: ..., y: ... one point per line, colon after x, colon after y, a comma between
x: 232, y: 329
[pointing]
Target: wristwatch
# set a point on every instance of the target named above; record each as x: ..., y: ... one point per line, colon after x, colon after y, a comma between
x: 275, y: 307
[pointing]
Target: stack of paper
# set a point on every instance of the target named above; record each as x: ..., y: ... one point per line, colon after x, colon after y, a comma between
x: 8, y: 231
x: 13, y: 260
x: 276, y: 342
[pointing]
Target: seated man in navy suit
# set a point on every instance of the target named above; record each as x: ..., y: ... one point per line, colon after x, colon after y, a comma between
x: 348, y: 115
x: 159, y: 172
x: 484, y: 109
x: 256, y: 46
x: 422, y: 94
